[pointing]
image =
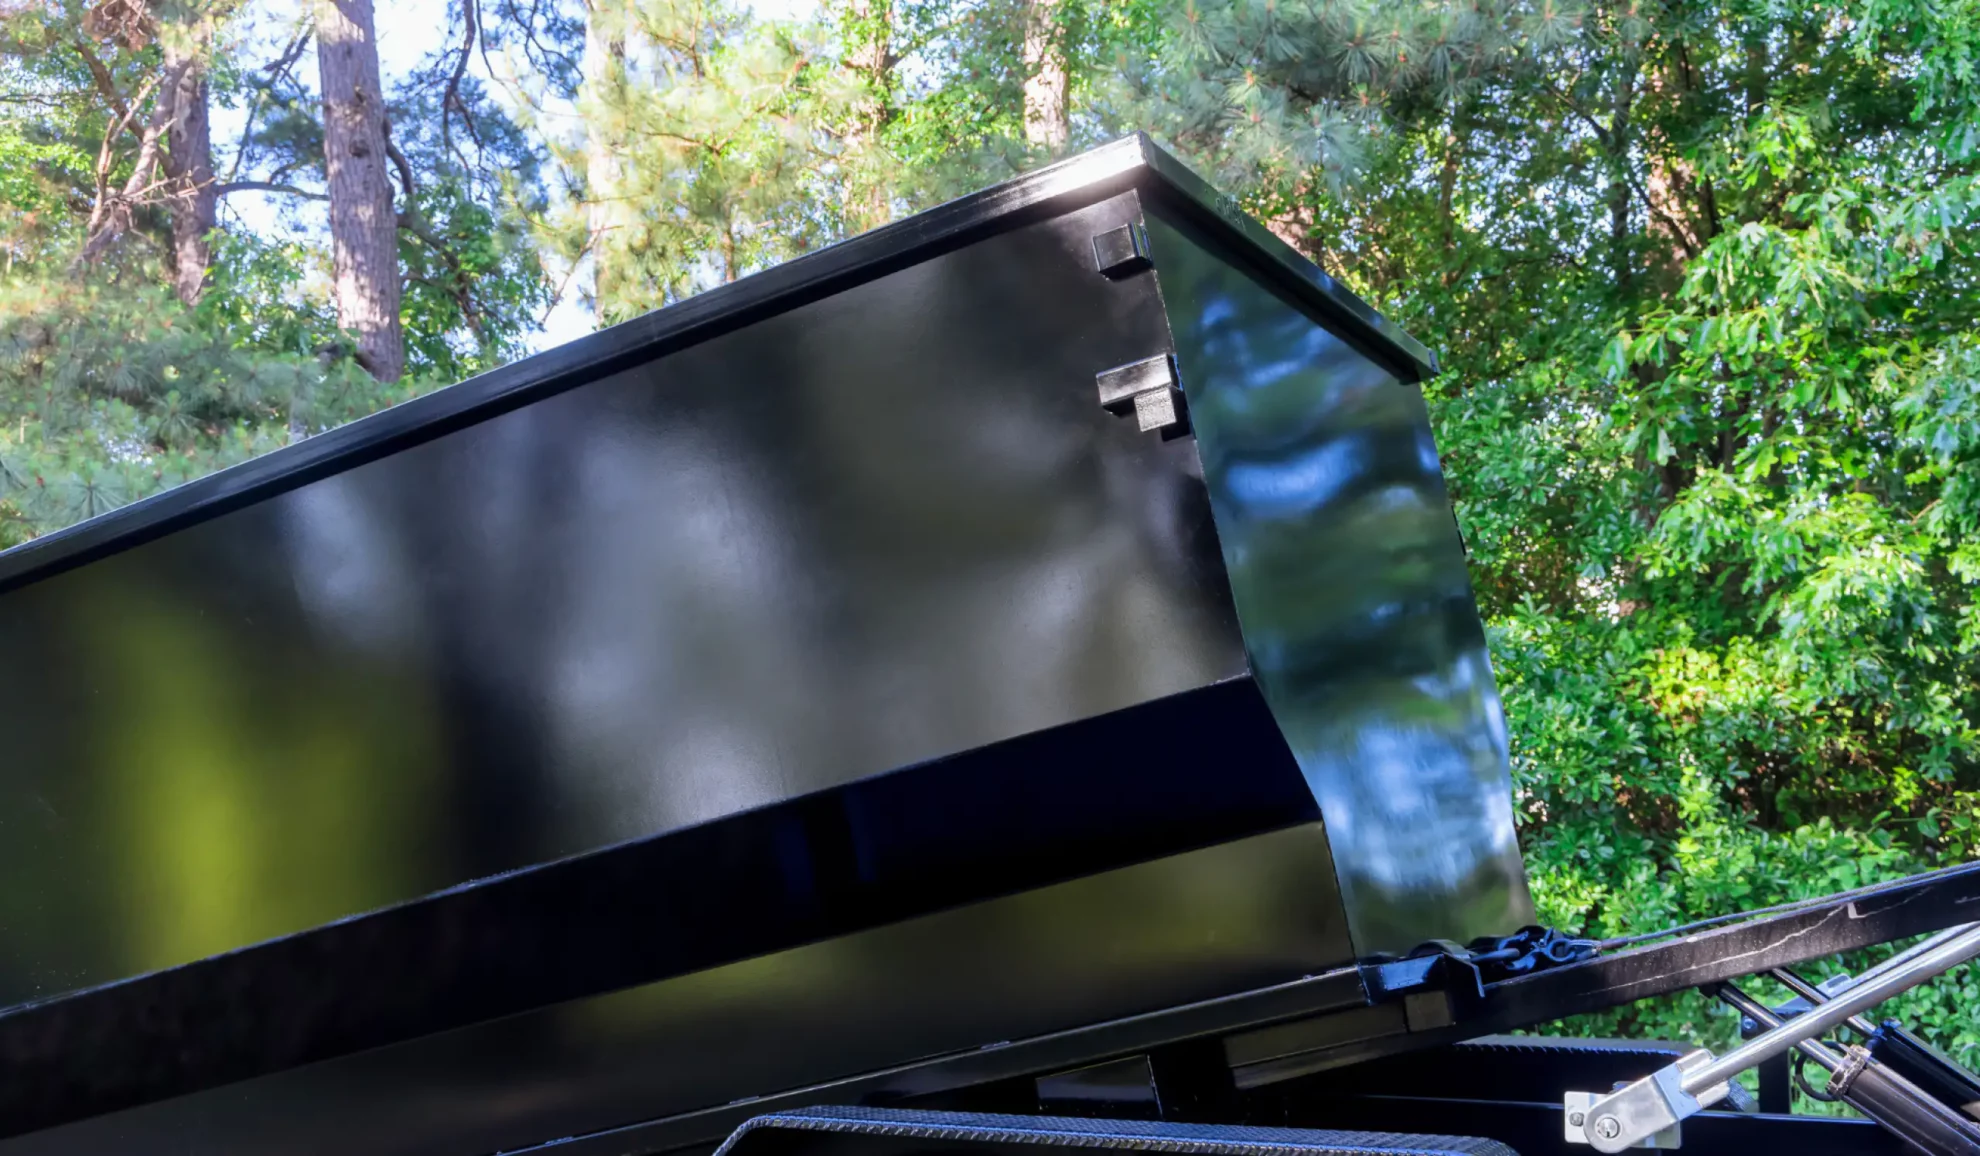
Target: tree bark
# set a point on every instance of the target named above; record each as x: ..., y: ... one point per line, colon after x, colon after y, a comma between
x: 364, y: 232
x: 1619, y: 193
x: 1047, y: 121
x: 110, y: 216
x: 188, y: 161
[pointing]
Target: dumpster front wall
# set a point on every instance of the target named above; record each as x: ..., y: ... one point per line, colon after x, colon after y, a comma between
x: 1353, y: 595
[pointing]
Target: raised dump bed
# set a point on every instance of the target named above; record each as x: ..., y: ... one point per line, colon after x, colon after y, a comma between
x: 1038, y: 613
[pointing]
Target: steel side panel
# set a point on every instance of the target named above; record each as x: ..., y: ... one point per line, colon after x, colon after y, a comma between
x: 883, y: 527
x: 1137, y: 785
x: 1131, y: 162
x: 1350, y: 582
x: 1226, y: 919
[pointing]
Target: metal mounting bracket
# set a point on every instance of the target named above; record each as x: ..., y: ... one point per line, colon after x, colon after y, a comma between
x: 1147, y: 389
x: 1646, y: 1114
x: 1122, y: 252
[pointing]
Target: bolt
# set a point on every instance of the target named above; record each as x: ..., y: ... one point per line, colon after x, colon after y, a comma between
x: 1608, y: 1127
x: 1575, y: 1119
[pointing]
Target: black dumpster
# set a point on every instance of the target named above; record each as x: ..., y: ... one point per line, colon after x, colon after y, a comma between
x: 1034, y: 615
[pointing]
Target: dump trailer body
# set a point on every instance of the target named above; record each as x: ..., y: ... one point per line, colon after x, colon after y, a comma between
x: 1041, y: 612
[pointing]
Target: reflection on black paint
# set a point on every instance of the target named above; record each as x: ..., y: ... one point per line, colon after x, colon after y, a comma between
x: 1356, y: 607
x: 881, y: 528
x: 718, y: 588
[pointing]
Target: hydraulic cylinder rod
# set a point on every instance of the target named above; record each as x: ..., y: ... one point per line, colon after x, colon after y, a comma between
x: 1878, y: 1092
x: 1655, y: 1104
x: 1874, y: 987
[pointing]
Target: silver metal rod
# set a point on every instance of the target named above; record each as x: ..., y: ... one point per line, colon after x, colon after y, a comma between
x: 1873, y: 988
x: 1815, y: 995
x: 1913, y: 952
x: 1760, y: 1014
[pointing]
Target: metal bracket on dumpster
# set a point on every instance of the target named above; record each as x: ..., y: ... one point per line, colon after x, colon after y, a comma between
x: 1122, y: 252
x: 1437, y: 984
x: 1147, y: 389
x: 1646, y: 1114
x: 1441, y: 982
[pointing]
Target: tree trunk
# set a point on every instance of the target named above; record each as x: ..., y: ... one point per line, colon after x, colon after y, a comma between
x: 1047, y: 123
x: 1620, y: 196
x: 364, y: 230
x: 110, y: 216
x: 188, y: 162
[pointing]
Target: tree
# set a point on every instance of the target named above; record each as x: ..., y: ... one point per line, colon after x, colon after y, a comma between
x: 1702, y: 277
x: 1045, y: 78
x: 132, y: 26
x: 183, y: 344
x: 194, y: 198
x: 867, y: 33
x: 605, y: 81
x: 363, y: 225
x: 1020, y: 81
x: 735, y: 144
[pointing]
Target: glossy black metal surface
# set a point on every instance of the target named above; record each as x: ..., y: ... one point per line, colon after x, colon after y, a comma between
x: 882, y: 528
x: 1874, y: 915
x: 1149, y: 951
x: 1357, y: 609
x: 1029, y: 812
x: 1131, y: 162
x: 598, y: 675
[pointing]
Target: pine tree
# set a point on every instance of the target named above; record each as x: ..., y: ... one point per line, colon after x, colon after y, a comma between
x: 179, y: 347
x: 193, y: 197
x: 607, y: 209
x: 867, y: 33
x: 721, y: 130
x: 364, y: 230
x: 1046, y: 124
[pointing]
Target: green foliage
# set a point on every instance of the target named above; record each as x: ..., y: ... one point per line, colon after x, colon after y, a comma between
x: 110, y: 396
x: 110, y: 389
x: 1702, y: 273
x: 707, y: 151
x: 475, y: 283
x: 1702, y: 277
x: 33, y: 176
x: 470, y: 296
x: 959, y: 117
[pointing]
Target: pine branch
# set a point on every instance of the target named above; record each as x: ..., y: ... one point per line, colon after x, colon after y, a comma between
x: 106, y: 85
x: 450, y: 98
x: 412, y: 222
x: 278, y: 71
x: 267, y: 187
x: 400, y: 163
x: 535, y: 48
x: 111, y: 215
